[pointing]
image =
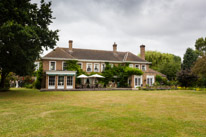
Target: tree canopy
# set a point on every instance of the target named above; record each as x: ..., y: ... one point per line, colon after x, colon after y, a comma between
x: 200, y: 68
x: 24, y: 33
x: 189, y: 58
x: 200, y: 45
x: 165, y: 63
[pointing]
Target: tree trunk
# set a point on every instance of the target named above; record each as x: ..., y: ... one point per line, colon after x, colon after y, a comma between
x: 3, y: 78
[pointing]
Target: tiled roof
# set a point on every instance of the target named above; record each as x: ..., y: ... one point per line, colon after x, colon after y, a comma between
x: 88, y: 54
x: 156, y: 72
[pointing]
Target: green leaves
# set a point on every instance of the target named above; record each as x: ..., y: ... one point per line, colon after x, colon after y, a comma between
x: 165, y: 63
x: 189, y: 58
x: 200, y: 45
x: 24, y: 32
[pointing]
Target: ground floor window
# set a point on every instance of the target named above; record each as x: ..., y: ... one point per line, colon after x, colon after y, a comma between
x: 60, y: 80
x: 150, y: 80
x: 51, y: 80
x: 138, y: 81
x: 69, y: 80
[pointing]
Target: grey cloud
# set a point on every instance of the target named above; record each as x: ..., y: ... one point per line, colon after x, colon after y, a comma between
x: 163, y: 25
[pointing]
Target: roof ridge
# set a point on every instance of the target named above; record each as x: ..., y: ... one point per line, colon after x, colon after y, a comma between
x: 93, y: 49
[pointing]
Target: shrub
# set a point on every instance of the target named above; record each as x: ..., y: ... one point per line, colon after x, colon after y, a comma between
x: 39, y: 77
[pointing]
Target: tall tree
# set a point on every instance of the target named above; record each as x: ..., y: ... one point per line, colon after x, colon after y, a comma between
x: 200, y: 45
x: 189, y: 59
x: 165, y: 63
x: 199, y: 69
x: 24, y: 33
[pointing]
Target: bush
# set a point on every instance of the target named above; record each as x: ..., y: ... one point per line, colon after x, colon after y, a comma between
x: 39, y: 77
x: 29, y: 85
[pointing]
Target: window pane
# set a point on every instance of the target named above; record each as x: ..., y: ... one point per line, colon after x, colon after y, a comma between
x: 138, y: 81
x: 69, y: 80
x: 61, y: 80
x: 89, y: 67
x: 52, y: 66
x: 51, y: 80
x: 64, y: 66
x: 96, y: 67
x: 143, y: 67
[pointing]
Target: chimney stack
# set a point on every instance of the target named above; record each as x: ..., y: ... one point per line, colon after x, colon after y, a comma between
x: 114, y: 47
x: 70, y: 45
x: 142, y: 51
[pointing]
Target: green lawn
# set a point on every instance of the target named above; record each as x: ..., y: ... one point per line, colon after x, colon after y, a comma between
x: 25, y: 112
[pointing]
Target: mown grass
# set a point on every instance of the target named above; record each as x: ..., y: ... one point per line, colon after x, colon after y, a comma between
x: 28, y: 112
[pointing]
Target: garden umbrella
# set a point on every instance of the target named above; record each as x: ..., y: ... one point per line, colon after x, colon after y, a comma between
x: 83, y: 77
x: 95, y: 76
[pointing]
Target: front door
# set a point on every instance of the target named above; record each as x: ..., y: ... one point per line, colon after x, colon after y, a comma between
x: 69, y: 82
x: 137, y: 81
x: 60, y: 82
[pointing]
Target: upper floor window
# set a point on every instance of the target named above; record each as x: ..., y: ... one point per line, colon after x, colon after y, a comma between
x: 137, y: 66
x: 131, y: 65
x: 89, y: 67
x: 80, y: 64
x: 103, y: 66
x: 64, y: 65
x: 112, y: 65
x: 52, y: 65
x: 36, y: 66
x: 96, y: 67
x: 143, y: 67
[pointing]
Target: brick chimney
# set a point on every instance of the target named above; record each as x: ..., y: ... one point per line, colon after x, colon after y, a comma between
x: 142, y: 51
x: 70, y: 45
x: 114, y: 47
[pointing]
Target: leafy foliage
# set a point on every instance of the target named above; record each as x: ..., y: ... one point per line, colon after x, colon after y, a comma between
x: 200, y: 45
x: 120, y: 74
x: 186, y: 78
x: 165, y: 63
x: 200, y: 69
x: 39, y: 77
x: 189, y: 58
x: 24, y: 32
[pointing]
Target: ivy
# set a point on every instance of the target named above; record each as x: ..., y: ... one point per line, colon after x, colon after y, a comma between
x: 119, y: 74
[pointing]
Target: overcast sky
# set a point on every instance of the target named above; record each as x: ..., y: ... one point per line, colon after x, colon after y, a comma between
x: 168, y: 26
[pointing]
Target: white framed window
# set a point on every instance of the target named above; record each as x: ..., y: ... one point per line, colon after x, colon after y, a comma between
x: 137, y: 66
x: 52, y: 65
x: 89, y: 67
x: 80, y: 64
x: 64, y: 65
x: 37, y: 65
x: 103, y: 66
x: 144, y: 67
x: 150, y: 80
x: 131, y: 65
x: 51, y: 82
x: 60, y: 80
x: 96, y: 67
x: 112, y: 65
x: 137, y: 81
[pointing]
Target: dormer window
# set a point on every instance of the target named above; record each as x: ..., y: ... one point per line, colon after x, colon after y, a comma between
x: 89, y: 67
x: 144, y: 67
x: 52, y: 65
